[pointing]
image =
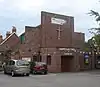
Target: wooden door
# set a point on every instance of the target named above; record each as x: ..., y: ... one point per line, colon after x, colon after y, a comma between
x: 66, y: 63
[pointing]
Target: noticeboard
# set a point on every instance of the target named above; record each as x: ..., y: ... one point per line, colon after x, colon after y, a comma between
x: 86, y: 58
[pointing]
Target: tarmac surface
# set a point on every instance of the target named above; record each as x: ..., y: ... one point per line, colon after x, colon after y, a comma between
x: 80, y: 79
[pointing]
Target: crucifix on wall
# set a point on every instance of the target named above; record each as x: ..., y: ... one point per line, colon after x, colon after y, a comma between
x: 59, y: 22
x: 59, y: 33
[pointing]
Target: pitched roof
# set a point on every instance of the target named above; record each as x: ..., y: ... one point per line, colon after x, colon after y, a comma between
x: 7, y: 38
x: 22, y: 34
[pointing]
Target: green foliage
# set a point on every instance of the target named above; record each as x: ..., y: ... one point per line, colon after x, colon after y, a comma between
x: 96, y: 14
x: 32, y: 64
x: 97, y: 18
x: 86, y: 48
x: 92, y: 43
x: 97, y: 40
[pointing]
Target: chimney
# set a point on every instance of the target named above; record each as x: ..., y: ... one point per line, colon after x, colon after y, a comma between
x: 1, y: 38
x: 8, y: 34
x: 13, y: 29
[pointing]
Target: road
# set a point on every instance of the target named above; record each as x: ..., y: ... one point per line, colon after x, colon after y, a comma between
x: 83, y: 79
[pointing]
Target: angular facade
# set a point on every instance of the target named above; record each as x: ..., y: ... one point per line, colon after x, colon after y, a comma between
x: 54, y: 42
x: 8, y: 44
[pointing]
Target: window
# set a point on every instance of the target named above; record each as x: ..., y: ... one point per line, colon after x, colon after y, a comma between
x: 11, y: 62
x: 22, y: 63
x: 49, y: 60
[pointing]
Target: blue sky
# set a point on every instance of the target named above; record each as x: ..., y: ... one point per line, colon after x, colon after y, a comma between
x: 20, y: 13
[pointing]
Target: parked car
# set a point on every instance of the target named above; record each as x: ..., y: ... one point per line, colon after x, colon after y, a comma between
x: 15, y: 67
x: 1, y: 67
x: 39, y: 67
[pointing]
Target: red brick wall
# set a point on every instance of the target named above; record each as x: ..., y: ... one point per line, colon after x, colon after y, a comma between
x: 11, y: 42
x: 49, y: 31
x: 55, y: 59
x: 32, y: 41
x: 78, y: 40
x: 45, y: 36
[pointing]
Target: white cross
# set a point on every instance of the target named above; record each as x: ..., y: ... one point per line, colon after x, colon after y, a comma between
x: 59, y: 32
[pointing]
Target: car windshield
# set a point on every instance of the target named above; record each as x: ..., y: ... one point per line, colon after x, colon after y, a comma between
x: 22, y: 63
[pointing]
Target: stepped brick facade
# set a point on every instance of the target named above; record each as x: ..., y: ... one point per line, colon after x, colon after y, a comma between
x: 54, y: 42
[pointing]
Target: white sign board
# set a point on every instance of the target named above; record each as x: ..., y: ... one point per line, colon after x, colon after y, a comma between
x: 27, y: 59
x: 67, y: 49
x: 68, y: 54
x: 57, y: 21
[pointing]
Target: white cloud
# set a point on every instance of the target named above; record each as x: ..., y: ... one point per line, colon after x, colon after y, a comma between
x: 1, y: 0
x: 21, y: 20
x: 28, y: 4
x: 27, y: 12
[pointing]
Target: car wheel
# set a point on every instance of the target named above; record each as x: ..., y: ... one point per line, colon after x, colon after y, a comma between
x: 12, y: 73
x: 44, y: 72
x: 27, y: 74
x: 34, y: 72
x: 5, y: 72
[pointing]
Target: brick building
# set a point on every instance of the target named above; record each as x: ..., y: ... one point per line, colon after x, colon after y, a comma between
x: 8, y: 44
x: 54, y: 42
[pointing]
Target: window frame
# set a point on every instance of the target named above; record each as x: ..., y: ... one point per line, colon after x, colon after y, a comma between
x: 10, y: 62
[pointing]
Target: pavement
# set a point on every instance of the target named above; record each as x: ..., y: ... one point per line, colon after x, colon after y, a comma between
x: 80, y: 79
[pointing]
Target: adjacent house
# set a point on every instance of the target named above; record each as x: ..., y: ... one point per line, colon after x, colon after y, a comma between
x: 8, y: 44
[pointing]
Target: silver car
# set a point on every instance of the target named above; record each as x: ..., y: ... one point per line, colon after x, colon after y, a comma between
x: 15, y: 67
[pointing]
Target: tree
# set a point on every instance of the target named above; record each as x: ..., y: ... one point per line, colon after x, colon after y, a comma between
x: 96, y: 14
x: 87, y: 46
x: 92, y: 43
x: 95, y: 31
x: 97, y: 40
x: 97, y: 18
